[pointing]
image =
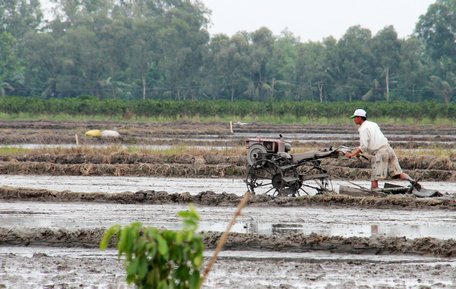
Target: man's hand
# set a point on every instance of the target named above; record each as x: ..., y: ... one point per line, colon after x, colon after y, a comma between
x: 349, y: 155
x: 353, y: 154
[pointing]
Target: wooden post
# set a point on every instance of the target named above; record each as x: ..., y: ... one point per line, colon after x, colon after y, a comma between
x: 231, y: 126
x: 76, y: 138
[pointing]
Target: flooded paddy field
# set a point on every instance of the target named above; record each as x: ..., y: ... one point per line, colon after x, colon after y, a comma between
x: 258, y: 218
x: 275, y: 243
x: 56, y: 202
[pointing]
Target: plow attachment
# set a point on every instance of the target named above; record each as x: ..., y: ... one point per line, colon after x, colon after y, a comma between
x: 389, y: 189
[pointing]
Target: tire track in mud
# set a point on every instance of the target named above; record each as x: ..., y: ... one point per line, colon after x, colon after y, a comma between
x: 90, y: 238
x: 210, y: 198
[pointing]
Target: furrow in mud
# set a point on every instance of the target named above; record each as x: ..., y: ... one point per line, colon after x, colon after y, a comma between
x: 90, y: 238
x: 210, y: 198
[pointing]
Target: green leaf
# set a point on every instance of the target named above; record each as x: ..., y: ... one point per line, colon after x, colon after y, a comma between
x: 153, y: 277
x: 197, y: 261
x: 162, y: 285
x: 190, y: 218
x: 107, y: 236
x: 121, y: 245
x: 183, y: 272
x: 142, y: 268
x: 162, y: 246
x: 132, y: 269
x: 180, y: 237
x: 195, y: 280
x: 189, y: 236
x: 152, y: 233
x: 151, y: 249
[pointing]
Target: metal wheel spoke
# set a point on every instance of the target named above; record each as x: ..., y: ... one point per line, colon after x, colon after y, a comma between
x: 263, y: 185
x: 271, y: 190
x: 301, y: 189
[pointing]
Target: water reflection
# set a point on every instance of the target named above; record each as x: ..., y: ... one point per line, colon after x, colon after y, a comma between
x: 439, y: 231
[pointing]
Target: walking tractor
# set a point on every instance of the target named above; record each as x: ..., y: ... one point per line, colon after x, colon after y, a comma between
x: 273, y: 170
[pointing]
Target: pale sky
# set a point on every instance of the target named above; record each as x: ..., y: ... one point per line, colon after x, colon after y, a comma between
x: 315, y: 19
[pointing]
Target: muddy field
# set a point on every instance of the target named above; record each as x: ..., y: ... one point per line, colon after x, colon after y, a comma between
x: 214, y: 134
x: 58, y: 197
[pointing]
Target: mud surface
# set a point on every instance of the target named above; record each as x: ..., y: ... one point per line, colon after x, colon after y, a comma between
x: 273, y: 229
x: 91, y: 268
x: 56, y: 202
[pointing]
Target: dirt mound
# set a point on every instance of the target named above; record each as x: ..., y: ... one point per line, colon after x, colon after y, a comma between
x: 235, y: 157
x: 87, y: 238
x: 210, y: 198
x: 88, y: 162
x: 90, y: 238
x: 352, y: 245
x: 143, y: 169
x: 189, y: 170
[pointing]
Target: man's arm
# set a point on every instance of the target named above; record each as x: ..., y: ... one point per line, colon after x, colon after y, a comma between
x: 354, y: 153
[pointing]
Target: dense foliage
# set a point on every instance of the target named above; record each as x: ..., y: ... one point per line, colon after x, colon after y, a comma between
x: 161, y: 259
x: 160, y: 49
x: 173, y: 109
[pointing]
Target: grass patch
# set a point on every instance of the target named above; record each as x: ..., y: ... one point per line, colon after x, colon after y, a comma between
x: 265, y: 119
x: 11, y: 150
x: 176, y: 150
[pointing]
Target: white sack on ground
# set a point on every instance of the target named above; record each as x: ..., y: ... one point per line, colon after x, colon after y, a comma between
x: 110, y: 134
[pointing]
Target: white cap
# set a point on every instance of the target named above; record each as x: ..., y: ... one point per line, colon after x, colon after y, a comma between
x: 359, y: 112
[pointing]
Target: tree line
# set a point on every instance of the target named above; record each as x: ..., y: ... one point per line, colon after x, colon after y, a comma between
x: 294, y: 111
x: 161, y: 50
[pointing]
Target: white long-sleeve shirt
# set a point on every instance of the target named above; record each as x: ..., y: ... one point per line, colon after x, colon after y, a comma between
x: 371, y: 137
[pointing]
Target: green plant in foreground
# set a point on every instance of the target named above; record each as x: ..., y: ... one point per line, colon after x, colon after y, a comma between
x: 163, y: 259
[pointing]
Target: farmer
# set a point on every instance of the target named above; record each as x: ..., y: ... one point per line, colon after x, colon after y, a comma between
x: 372, y: 141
